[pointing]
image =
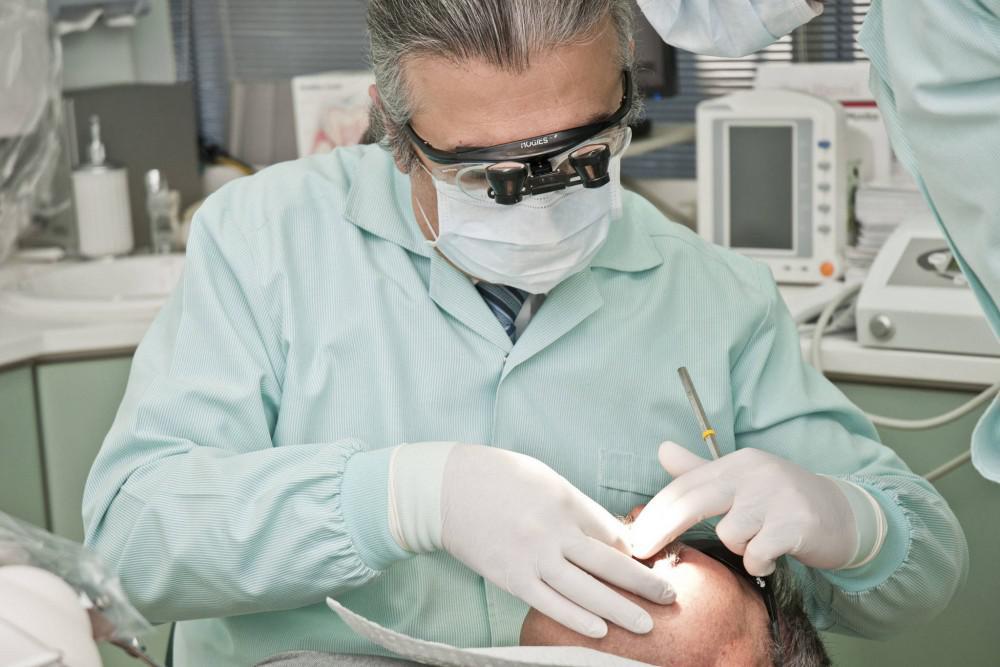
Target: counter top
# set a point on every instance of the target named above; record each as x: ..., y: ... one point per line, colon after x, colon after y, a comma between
x: 844, y: 357
x: 23, y: 339
x: 26, y: 338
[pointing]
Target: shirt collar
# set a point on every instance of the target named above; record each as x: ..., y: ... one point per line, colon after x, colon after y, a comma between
x: 388, y: 215
x: 629, y: 247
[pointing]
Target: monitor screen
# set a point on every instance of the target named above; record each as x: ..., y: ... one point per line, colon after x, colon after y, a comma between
x: 761, y: 198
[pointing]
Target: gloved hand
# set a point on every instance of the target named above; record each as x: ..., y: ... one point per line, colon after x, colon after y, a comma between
x: 772, y: 507
x: 523, y: 527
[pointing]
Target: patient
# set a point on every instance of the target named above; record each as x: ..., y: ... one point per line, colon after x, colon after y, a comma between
x: 719, y: 618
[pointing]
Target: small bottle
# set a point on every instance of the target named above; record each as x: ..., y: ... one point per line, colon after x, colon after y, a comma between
x: 161, y: 206
x: 100, y: 194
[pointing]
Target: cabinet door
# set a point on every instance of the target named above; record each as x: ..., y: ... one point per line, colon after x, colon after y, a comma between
x: 22, y: 493
x: 77, y: 402
x: 960, y: 634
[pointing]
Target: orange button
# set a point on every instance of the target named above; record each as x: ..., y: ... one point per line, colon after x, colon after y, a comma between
x: 826, y: 269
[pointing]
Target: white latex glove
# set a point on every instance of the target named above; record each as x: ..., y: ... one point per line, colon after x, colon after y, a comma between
x: 772, y: 507
x: 523, y: 527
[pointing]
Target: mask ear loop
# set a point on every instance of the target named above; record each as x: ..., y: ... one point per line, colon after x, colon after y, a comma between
x: 427, y: 221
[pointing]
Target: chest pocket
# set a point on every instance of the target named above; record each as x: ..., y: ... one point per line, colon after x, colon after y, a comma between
x: 628, y: 479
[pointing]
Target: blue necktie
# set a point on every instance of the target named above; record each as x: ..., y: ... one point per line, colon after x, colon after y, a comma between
x: 505, y: 302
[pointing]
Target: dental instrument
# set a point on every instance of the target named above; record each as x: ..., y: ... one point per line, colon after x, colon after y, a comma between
x: 707, y: 432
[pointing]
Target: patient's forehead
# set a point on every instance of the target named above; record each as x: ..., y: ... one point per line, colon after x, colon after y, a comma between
x: 717, y: 618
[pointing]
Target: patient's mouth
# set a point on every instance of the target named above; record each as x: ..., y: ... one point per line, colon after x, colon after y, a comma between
x: 669, y: 555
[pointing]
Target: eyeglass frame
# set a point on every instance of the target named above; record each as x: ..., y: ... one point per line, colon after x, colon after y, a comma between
x: 718, y: 552
x: 523, y: 150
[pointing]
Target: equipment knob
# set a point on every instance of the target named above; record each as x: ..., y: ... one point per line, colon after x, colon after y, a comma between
x: 882, y: 327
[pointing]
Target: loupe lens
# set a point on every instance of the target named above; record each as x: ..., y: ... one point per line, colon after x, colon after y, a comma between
x: 591, y: 164
x: 507, y: 180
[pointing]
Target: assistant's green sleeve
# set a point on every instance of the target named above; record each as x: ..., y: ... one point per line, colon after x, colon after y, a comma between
x: 936, y: 77
x: 784, y: 406
x: 189, y: 499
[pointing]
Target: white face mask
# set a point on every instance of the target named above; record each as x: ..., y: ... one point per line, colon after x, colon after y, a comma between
x: 533, y: 245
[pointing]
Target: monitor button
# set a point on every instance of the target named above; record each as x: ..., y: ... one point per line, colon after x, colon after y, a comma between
x: 823, y: 208
x: 824, y: 166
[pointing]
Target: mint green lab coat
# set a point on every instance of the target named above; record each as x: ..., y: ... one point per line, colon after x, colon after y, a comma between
x: 245, y: 476
x: 936, y: 76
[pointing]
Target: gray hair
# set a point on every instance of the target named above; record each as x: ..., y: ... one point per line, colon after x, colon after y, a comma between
x: 503, y: 33
x: 799, y: 643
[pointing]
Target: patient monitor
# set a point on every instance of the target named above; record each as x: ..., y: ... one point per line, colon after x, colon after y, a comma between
x: 773, y: 182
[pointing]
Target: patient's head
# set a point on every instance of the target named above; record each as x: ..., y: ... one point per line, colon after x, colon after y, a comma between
x: 717, y: 619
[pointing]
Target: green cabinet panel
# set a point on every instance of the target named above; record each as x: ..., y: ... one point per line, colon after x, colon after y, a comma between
x: 964, y: 633
x: 22, y: 490
x: 77, y: 402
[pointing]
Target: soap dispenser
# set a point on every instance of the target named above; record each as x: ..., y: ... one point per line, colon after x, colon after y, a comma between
x: 100, y: 192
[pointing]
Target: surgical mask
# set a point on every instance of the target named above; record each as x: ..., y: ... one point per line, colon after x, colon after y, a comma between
x: 533, y: 245
x: 729, y: 28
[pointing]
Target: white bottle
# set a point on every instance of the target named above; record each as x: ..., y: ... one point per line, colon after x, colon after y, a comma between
x: 100, y: 192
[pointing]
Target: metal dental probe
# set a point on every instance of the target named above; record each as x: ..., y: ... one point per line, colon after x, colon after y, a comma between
x: 707, y: 432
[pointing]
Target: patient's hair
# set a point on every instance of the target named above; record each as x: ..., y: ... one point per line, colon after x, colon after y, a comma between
x: 800, y: 644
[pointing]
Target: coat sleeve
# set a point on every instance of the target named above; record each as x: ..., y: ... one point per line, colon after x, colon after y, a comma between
x: 784, y: 406
x: 730, y: 28
x: 189, y: 500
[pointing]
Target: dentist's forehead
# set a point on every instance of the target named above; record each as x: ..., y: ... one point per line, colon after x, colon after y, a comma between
x: 472, y: 103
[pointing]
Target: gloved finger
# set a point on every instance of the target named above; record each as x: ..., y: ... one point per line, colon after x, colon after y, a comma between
x: 667, y: 515
x: 603, y: 526
x: 737, y: 528
x: 765, y: 548
x: 676, y: 460
x: 581, y: 588
x: 620, y: 570
x: 699, y: 473
x: 538, y: 595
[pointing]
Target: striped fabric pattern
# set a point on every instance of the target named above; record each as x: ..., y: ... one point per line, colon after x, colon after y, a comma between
x: 505, y: 302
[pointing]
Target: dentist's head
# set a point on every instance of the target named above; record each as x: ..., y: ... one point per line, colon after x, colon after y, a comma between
x: 510, y: 117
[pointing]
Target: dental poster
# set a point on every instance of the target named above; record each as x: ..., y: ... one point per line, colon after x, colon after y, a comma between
x: 331, y: 109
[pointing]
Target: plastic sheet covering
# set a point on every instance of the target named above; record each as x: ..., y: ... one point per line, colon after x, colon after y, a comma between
x: 113, y: 617
x: 30, y: 111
